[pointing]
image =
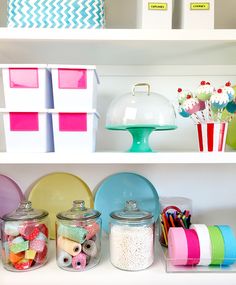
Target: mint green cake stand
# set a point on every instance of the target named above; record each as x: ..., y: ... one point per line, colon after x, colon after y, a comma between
x: 141, y: 134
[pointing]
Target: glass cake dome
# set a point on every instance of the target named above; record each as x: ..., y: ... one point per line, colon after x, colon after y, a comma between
x: 141, y: 113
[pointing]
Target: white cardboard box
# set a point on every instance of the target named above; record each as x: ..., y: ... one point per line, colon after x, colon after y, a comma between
x: 74, y: 131
x: 27, y: 131
x: 154, y: 14
x: 195, y: 14
x: 74, y: 86
x: 27, y: 86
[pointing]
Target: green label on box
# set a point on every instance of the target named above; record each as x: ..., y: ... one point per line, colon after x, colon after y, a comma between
x: 157, y: 6
x: 200, y: 6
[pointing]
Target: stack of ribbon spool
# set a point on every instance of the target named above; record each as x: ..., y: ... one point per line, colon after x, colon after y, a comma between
x: 202, y: 245
x: 77, y: 246
x: 26, y: 244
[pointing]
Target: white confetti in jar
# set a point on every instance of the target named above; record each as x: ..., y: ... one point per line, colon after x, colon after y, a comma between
x: 132, y: 238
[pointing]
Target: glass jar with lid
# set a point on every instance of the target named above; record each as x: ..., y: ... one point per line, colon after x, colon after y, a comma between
x: 78, y: 234
x: 24, y: 235
x: 132, y: 238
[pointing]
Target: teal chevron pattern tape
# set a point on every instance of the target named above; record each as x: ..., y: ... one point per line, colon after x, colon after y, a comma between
x: 83, y: 14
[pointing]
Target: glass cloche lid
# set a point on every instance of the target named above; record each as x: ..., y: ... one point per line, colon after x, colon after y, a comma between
x: 141, y: 112
x: 141, y: 108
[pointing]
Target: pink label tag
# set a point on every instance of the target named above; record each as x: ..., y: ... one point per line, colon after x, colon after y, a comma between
x: 72, y: 78
x: 73, y: 122
x: 23, y: 77
x: 24, y: 122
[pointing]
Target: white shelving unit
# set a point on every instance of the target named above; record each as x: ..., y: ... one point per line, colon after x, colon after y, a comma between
x: 166, y: 59
x: 119, y: 158
x: 119, y: 47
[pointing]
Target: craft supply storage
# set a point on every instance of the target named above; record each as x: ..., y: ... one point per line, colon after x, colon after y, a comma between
x: 205, y: 178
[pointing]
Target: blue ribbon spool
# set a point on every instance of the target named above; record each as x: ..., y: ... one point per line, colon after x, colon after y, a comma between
x: 229, y: 244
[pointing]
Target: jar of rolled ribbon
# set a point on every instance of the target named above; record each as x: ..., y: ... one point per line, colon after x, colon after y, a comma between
x: 78, y: 234
x: 24, y: 241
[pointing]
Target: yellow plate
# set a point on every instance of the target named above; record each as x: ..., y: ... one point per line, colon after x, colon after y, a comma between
x: 56, y: 192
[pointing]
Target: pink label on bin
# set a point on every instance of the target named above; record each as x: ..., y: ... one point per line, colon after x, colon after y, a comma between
x: 72, y: 78
x: 24, y: 121
x: 73, y: 122
x: 23, y: 77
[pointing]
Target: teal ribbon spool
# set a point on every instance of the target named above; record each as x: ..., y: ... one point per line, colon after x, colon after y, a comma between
x: 229, y: 245
x: 73, y: 233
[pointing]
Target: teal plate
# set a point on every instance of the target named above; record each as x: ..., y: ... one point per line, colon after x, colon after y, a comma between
x: 112, y: 193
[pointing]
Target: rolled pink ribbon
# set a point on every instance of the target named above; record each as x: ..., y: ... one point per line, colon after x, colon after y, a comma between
x: 79, y: 262
x: 177, y: 246
x: 92, y: 229
x: 193, y: 247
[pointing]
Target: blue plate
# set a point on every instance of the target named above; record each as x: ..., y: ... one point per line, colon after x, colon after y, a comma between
x: 115, y: 190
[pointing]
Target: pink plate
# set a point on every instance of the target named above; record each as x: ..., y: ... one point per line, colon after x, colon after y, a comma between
x: 10, y: 195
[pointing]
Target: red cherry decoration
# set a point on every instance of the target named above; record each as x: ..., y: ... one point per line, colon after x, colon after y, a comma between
x: 208, y: 83
x: 188, y: 96
x: 228, y: 84
x: 203, y: 82
x: 219, y: 90
x: 180, y: 90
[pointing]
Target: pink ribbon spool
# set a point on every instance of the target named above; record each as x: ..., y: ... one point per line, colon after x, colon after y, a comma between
x: 177, y: 246
x: 193, y: 247
x: 79, y: 262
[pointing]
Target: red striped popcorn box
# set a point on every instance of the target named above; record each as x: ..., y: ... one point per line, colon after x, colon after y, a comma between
x: 212, y: 136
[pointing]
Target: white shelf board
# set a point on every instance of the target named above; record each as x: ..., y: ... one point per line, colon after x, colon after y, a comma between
x: 118, y: 158
x: 106, y: 274
x: 118, y: 46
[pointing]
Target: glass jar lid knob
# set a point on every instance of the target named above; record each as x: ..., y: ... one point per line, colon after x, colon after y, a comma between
x: 79, y: 205
x: 131, y: 205
x: 25, y: 205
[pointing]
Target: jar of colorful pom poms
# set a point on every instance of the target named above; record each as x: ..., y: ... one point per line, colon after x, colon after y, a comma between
x: 211, y: 109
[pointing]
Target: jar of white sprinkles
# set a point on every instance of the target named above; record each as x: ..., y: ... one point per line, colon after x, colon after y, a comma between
x: 131, y: 238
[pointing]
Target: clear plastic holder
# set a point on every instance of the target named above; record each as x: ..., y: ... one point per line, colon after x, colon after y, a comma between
x: 169, y: 205
x: 170, y: 268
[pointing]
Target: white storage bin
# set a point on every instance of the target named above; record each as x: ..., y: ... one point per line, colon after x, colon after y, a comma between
x: 74, y: 86
x: 154, y: 14
x: 74, y: 131
x: 27, y: 86
x: 27, y: 131
x: 195, y: 14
